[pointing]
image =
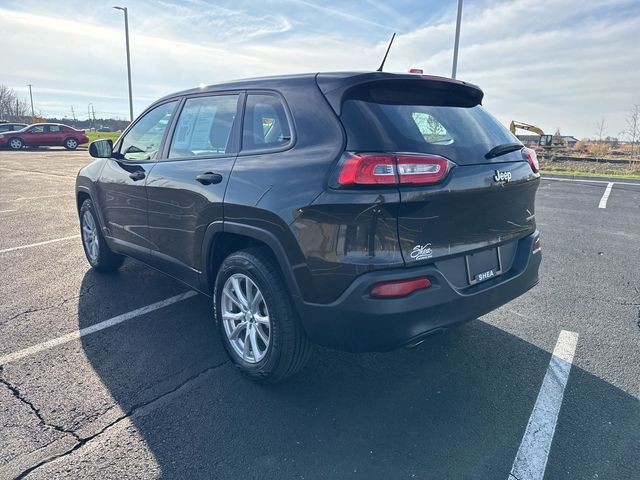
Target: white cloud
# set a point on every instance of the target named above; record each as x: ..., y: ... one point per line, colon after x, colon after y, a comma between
x: 552, y: 63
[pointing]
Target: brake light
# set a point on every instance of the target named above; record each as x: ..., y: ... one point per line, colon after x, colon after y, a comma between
x: 530, y: 156
x: 374, y: 169
x: 400, y: 288
x: 368, y: 170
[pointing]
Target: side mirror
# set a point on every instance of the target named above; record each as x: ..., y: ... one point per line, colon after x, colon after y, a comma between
x: 101, y: 148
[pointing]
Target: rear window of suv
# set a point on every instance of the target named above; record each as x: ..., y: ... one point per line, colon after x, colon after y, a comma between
x: 387, y: 119
x: 266, y: 125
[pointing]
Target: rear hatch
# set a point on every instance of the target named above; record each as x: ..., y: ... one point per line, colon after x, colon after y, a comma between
x: 486, y: 197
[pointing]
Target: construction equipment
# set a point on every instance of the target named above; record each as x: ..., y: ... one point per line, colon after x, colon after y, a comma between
x: 546, y: 141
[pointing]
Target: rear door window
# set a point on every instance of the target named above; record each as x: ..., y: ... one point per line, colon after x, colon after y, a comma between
x: 384, y: 119
x: 204, y: 127
x: 266, y: 125
x: 53, y: 128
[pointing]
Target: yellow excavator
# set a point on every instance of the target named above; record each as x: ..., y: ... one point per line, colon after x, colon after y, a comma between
x: 546, y: 141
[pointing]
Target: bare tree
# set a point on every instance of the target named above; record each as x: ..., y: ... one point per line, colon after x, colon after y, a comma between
x: 12, y: 108
x: 632, y: 130
x: 601, y: 128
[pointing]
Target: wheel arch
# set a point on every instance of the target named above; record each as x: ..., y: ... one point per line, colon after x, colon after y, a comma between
x: 223, y: 238
x: 81, y: 196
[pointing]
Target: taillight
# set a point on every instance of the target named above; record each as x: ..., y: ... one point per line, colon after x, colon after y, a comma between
x: 530, y: 156
x: 368, y: 170
x: 399, y: 288
x: 373, y: 169
x: 421, y: 169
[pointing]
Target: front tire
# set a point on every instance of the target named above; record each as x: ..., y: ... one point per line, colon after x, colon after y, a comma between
x: 258, y: 324
x: 97, y: 251
x: 16, y: 143
x: 71, y: 143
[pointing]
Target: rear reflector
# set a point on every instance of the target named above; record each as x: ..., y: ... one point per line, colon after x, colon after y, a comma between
x: 382, y: 168
x: 530, y: 156
x: 400, y: 288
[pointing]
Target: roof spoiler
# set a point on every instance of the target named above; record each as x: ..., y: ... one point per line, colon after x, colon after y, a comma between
x: 432, y: 90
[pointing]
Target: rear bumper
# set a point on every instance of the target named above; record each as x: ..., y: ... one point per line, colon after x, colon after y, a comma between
x: 357, y: 322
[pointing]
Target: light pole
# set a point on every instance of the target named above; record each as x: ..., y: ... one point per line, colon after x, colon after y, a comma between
x: 126, y: 34
x: 89, y: 107
x: 33, y: 115
x: 457, y: 42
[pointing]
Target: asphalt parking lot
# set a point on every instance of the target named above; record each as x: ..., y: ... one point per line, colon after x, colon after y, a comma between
x: 152, y: 394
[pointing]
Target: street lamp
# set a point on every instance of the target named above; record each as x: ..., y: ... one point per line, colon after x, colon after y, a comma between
x: 33, y: 115
x: 126, y: 34
x: 457, y: 42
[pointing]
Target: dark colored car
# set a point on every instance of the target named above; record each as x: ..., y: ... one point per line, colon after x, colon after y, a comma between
x: 11, y: 127
x: 360, y: 211
x: 44, y: 135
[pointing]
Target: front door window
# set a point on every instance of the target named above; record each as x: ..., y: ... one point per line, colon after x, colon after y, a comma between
x: 142, y: 142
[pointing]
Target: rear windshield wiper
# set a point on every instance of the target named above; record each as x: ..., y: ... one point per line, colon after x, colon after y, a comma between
x: 502, y: 150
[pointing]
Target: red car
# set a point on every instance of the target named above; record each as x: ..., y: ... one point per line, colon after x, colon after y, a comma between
x: 44, y: 135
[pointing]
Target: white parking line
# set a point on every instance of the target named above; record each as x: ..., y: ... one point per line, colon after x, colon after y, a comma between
x: 35, y: 172
x: 20, y: 199
x: 11, y: 357
x: 531, y: 459
x: 605, y: 195
x: 7, y: 211
x: 12, y: 249
x: 588, y: 181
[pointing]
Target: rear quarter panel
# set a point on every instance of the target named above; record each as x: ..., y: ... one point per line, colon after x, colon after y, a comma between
x: 271, y: 190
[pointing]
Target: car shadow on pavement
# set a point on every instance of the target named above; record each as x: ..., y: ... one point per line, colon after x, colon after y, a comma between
x: 456, y: 407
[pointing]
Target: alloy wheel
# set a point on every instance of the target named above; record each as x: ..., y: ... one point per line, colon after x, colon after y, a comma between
x: 245, y: 318
x: 90, y: 236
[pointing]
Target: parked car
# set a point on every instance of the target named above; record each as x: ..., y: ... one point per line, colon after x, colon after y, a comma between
x: 44, y: 134
x: 11, y: 127
x: 359, y: 211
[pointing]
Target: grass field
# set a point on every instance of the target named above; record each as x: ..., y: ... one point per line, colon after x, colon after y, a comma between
x: 578, y: 166
x: 100, y: 135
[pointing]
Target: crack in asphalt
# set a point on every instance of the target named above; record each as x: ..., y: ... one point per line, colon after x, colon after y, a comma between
x: 19, y: 396
x: 132, y: 411
x: 64, y: 301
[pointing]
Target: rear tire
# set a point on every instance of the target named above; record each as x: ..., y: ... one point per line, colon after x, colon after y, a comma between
x: 97, y: 251
x: 265, y: 308
x: 71, y: 143
x: 16, y: 143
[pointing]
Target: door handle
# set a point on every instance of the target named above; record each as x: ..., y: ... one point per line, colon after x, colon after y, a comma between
x: 209, y: 178
x: 135, y: 176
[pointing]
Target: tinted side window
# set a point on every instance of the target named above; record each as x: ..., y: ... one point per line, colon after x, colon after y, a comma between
x: 38, y: 129
x: 54, y: 128
x: 142, y: 142
x: 204, y: 127
x: 265, y: 123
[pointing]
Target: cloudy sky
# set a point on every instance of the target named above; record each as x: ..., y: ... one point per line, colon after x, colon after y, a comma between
x: 553, y: 63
